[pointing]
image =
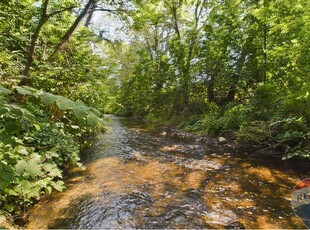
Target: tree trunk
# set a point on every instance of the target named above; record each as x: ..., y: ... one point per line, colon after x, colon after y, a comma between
x: 232, y: 91
x: 61, y: 45
x: 30, y: 55
x: 90, y: 15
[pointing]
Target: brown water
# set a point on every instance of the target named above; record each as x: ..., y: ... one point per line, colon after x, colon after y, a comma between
x: 139, y: 176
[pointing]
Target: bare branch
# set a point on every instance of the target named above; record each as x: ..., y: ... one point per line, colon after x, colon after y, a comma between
x: 60, y: 11
x: 110, y: 10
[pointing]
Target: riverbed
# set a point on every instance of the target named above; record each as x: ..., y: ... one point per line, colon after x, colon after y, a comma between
x: 141, y: 176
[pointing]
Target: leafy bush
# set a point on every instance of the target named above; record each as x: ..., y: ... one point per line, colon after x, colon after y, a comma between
x: 255, y: 132
x: 292, y: 135
x: 35, y: 147
x: 295, y: 134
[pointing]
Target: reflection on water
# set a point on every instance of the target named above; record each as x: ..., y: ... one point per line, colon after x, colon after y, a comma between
x: 138, y: 178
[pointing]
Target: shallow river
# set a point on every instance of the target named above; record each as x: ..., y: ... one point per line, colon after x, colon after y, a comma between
x: 140, y: 176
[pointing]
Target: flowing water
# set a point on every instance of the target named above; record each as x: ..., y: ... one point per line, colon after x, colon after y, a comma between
x: 140, y: 176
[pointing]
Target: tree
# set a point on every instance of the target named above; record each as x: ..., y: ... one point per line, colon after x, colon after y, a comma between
x: 72, y: 28
x: 43, y: 18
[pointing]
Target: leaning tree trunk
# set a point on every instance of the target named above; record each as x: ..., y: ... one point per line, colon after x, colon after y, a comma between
x: 26, y: 80
x: 30, y: 55
x: 61, y: 45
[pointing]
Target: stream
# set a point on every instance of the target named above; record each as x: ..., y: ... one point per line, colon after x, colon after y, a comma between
x: 141, y: 176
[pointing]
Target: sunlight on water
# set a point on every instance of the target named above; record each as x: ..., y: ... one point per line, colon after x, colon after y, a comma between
x: 137, y: 178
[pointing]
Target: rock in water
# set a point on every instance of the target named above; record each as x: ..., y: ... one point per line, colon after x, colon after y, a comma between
x: 222, y: 140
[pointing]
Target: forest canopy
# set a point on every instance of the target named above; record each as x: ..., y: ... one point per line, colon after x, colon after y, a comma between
x: 233, y: 68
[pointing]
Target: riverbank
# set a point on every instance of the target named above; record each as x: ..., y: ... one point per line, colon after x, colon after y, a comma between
x: 230, y: 142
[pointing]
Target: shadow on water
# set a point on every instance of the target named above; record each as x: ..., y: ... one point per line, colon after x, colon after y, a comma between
x: 140, y: 176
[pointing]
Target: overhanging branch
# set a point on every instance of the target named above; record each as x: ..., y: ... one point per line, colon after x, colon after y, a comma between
x: 60, y: 11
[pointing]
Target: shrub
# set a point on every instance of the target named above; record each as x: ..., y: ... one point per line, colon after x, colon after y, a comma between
x: 36, y: 146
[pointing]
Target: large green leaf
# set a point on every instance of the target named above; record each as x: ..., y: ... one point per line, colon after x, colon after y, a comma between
x: 5, y: 90
x: 52, y: 170
x: 7, y: 176
x: 80, y: 111
x: 33, y: 90
x: 21, y: 166
x: 64, y: 103
x: 48, y: 98
x: 26, y: 186
x: 13, y: 193
x: 95, y: 111
x: 92, y: 119
x: 3, y: 184
x: 22, y: 90
x: 34, y: 169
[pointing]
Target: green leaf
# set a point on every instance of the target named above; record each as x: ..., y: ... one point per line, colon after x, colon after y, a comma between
x: 12, y: 128
x: 58, y: 185
x: 22, y: 90
x: 96, y: 111
x: 33, y: 168
x: 5, y: 90
x: 3, y: 111
x: 7, y: 176
x: 22, y: 150
x: 37, y: 126
x: 56, y: 173
x: 26, y: 186
x: 4, y: 185
x: 9, y: 207
x: 48, y: 167
x: 52, y: 170
x: 13, y: 193
x: 33, y: 90
x: 6, y: 139
x: 16, y: 110
x: 48, y: 98
x: 92, y: 119
x: 80, y: 112
x: 30, y: 117
x: 48, y: 189
x: 21, y: 166
x: 64, y: 103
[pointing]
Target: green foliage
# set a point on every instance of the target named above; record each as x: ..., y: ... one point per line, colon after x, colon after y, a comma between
x: 255, y: 132
x: 27, y: 168
x: 82, y: 112
x: 41, y: 130
x: 240, y: 68
x: 34, y: 150
x: 290, y: 134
